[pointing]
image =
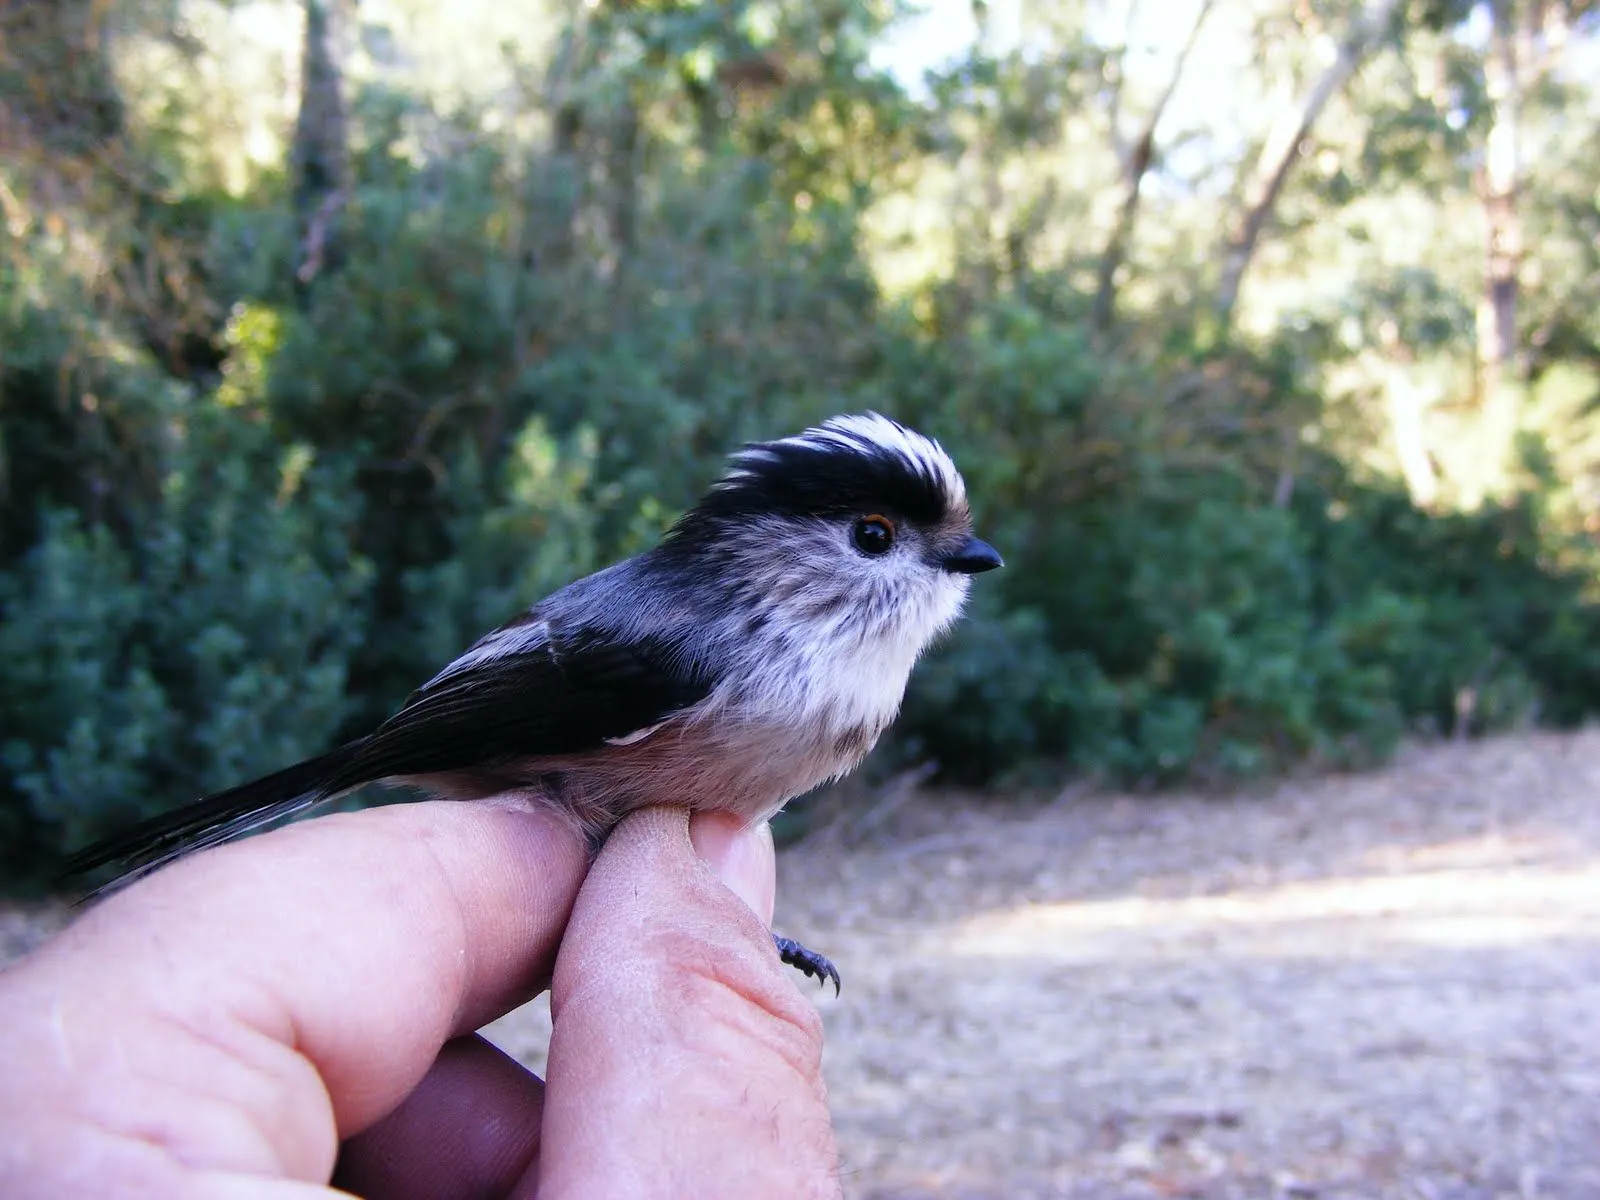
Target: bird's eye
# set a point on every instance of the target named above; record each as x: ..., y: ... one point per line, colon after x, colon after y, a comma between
x: 874, y: 535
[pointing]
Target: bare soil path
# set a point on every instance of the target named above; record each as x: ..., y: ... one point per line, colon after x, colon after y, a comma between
x: 1375, y: 986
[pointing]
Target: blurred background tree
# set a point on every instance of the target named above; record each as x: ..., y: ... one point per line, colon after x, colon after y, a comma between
x: 1267, y: 331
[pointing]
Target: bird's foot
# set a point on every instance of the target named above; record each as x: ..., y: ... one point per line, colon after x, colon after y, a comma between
x: 808, y: 962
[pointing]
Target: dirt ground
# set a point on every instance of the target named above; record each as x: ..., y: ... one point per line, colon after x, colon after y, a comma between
x: 1374, y: 986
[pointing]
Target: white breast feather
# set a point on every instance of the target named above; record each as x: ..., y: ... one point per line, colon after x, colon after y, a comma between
x: 826, y: 701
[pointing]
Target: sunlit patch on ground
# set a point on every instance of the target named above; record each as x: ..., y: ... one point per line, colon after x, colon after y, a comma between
x: 1338, y: 917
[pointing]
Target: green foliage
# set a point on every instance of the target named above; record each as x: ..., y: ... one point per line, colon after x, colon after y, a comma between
x: 1226, y: 640
x: 217, y: 647
x: 1163, y: 616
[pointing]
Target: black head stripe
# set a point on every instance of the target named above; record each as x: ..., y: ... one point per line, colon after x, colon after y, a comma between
x: 843, y: 473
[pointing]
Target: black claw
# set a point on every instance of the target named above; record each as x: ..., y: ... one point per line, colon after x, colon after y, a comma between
x: 808, y: 962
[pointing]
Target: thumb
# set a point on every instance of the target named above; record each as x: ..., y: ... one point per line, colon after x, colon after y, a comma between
x: 684, y: 1059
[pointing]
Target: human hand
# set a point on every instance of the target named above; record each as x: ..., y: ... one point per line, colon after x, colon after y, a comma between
x: 222, y: 1028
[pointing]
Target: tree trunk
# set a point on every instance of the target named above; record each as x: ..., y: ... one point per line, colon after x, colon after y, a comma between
x: 1524, y: 42
x: 622, y: 170
x: 321, y: 154
x: 1497, y: 307
x: 1282, y: 147
x: 1136, y: 160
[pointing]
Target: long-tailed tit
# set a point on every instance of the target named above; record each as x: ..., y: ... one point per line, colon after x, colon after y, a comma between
x: 758, y: 651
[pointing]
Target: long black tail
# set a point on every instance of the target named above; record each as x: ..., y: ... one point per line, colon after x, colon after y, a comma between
x: 215, y: 819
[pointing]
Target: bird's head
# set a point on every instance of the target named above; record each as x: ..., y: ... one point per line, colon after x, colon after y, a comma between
x: 857, y: 529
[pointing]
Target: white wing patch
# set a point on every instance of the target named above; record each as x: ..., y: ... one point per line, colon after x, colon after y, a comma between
x: 499, y: 644
x: 638, y: 735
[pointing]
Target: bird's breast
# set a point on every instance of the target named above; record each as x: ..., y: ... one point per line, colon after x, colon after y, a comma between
x: 779, y: 724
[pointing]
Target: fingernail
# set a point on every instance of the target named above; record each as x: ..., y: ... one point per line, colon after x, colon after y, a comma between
x: 741, y: 857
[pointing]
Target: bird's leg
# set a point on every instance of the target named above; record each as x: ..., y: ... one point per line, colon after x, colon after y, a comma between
x: 808, y: 962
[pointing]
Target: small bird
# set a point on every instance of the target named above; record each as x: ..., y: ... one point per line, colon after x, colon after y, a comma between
x: 758, y: 651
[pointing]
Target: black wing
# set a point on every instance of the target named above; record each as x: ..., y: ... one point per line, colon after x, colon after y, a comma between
x: 563, y: 694
x: 550, y: 693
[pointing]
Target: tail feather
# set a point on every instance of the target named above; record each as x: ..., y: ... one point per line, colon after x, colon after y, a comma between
x: 214, y: 819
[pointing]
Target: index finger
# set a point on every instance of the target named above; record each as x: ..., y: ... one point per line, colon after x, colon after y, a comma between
x: 354, y: 945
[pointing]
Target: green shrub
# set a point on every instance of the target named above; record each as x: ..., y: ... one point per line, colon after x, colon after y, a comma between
x: 1164, y: 616
x: 214, y: 649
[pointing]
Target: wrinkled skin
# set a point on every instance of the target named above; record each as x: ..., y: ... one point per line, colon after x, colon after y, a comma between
x: 260, y: 1019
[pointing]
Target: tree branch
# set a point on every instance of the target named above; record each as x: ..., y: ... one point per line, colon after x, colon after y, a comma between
x: 1282, y: 147
x: 1136, y: 160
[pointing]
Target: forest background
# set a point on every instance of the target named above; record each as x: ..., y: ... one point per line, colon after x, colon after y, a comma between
x: 1267, y: 333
